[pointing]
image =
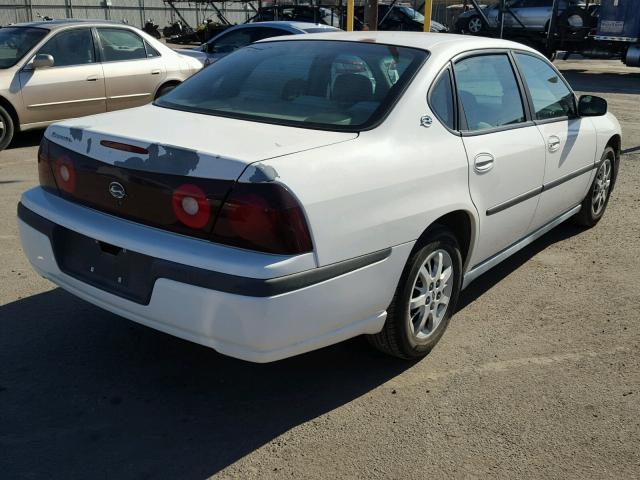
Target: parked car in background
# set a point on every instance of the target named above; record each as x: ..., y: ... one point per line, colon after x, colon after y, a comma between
x: 311, y: 190
x: 59, y: 69
x: 534, y: 15
x: 391, y: 16
x: 398, y: 17
x: 242, y: 35
x: 297, y: 13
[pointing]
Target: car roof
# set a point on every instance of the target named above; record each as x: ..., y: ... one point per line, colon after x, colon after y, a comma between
x: 448, y: 43
x: 66, y: 22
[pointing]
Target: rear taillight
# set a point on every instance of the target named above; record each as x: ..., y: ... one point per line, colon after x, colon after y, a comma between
x: 264, y: 217
x: 191, y: 206
x: 65, y: 173
x: 45, y: 174
x: 56, y: 170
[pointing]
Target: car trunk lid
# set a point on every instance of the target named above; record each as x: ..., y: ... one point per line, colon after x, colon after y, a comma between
x: 138, y: 164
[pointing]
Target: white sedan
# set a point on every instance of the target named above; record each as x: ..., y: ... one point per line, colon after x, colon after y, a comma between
x: 300, y: 192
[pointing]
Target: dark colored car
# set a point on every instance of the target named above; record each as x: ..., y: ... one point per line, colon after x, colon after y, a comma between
x: 240, y: 36
x: 400, y: 17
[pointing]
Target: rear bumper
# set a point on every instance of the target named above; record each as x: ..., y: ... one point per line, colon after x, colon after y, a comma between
x: 282, y: 317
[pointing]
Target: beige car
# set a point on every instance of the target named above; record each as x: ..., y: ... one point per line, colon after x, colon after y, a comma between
x: 70, y: 68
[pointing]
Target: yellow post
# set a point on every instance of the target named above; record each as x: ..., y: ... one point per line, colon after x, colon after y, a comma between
x: 427, y: 15
x: 350, y: 11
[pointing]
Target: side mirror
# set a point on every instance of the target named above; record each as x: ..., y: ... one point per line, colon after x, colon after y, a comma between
x: 43, y: 60
x: 591, y: 106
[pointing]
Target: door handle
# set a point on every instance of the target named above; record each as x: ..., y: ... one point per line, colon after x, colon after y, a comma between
x: 554, y: 143
x: 92, y: 78
x: 155, y: 72
x: 483, y: 162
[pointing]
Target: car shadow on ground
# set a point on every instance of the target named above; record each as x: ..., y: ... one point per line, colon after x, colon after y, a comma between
x: 84, y: 393
x: 602, y: 82
x: 30, y: 138
x: 498, y: 273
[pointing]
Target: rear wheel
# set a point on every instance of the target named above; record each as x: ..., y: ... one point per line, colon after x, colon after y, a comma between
x: 597, y: 199
x: 425, y: 298
x: 7, y: 128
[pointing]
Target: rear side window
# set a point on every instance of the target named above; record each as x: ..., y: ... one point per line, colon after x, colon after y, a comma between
x: 550, y: 95
x: 70, y: 47
x: 488, y: 91
x: 441, y: 99
x: 119, y: 44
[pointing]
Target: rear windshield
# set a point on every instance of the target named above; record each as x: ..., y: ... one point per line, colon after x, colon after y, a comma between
x: 15, y: 42
x: 322, y: 84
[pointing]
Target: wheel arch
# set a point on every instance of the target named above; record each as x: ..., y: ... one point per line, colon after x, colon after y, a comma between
x: 8, y: 106
x: 167, y: 83
x: 462, y: 224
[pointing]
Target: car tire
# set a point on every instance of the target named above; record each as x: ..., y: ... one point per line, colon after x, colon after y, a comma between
x: 419, y: 294
x: 7, y: 128
x: 597, y: 199
x: 474, y: 25
x: 164, y: 90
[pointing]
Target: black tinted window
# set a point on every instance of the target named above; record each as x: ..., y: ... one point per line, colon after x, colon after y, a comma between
x: 489, y: 93
x: 71, y: 47
x: 119, y: 44
x: 231, y: 41
x: 312, y: 83
x: 550, y: 95
x: 259, y: 33
x: 442, y: 99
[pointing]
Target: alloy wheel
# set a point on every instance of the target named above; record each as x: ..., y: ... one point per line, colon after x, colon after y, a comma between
x: 601, y: 187
x: 431, y: 293
x: 475, y: 25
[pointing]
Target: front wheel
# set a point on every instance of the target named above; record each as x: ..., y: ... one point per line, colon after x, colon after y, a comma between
x: 6, y: 128
x: 597, y: 199
x: 425, y: 298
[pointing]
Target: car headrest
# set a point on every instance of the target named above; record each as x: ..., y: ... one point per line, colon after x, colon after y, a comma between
x: 294, y: 88
x: 352, y: 88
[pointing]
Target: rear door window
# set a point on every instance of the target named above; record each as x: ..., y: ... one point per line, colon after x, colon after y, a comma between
x: 489, y: 92
x: 119, y: 44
